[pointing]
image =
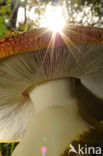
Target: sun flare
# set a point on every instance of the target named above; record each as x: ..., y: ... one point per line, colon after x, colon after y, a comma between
x: 54, y: 18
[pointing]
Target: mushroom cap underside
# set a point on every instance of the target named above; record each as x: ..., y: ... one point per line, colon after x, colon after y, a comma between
x: 28, y: 59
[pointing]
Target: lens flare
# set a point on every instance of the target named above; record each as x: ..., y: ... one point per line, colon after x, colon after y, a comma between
x: 54, y: 18
x: 43, y: 149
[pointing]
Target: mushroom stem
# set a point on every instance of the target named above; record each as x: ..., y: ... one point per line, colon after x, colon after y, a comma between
x: 56, y: 121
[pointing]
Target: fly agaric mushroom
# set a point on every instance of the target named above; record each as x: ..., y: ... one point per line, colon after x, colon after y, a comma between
x: 39, y: 74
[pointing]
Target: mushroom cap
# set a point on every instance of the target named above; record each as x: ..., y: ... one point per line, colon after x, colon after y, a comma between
x: 16, y: 42
x: 30, y: 58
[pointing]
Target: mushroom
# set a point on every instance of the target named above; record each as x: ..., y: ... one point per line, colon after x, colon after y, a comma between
x: 54, y: 82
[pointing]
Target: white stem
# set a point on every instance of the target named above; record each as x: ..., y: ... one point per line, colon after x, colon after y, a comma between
x: 56, y: 121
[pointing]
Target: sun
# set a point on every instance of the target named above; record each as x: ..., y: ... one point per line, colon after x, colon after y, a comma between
x: 54, y: 18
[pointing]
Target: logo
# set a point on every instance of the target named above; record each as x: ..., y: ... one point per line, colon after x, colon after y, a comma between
x: 72, y: 149
x: 85, y: 150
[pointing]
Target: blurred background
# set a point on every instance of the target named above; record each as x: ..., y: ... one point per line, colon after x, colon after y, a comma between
x: 29, y: 14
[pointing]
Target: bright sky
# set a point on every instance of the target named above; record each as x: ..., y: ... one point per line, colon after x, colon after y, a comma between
x: 55, y: 17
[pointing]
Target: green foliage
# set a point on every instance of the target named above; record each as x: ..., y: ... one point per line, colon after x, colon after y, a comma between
x: 22, y: 27
x: 7, y: 9
x: 101, y: 122
x: 97, y: 6
x: 6, y: 149
x: 5, y: 13
x: 3, y: 28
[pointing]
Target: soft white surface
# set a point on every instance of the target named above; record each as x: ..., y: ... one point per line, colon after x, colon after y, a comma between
x: 56, y: 121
